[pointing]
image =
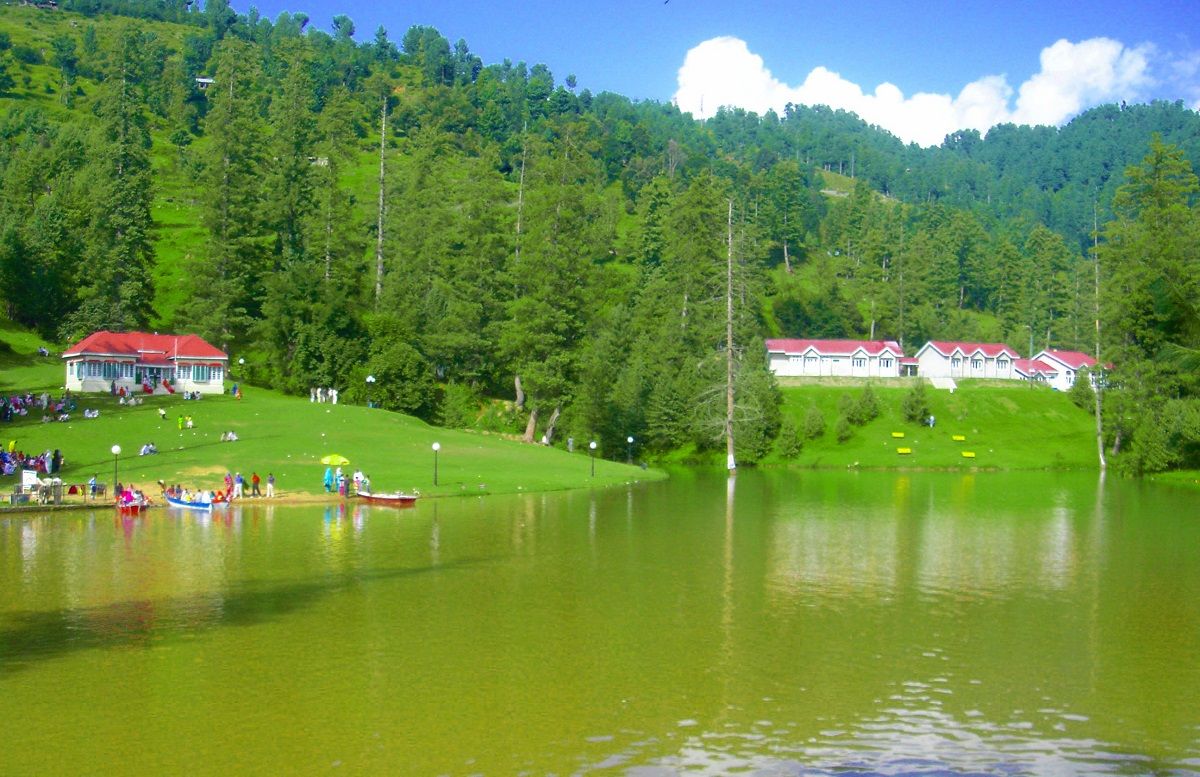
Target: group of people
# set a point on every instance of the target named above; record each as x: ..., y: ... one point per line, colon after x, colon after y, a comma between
x: 235, y: 488
x: 336, y: 480
x: 187, y: 495
x: 12, y: 461
x: 128, y: 494
x: 149, y: 449
x: 19, y: 405
x: 230, y: 436
x: 329, y: 395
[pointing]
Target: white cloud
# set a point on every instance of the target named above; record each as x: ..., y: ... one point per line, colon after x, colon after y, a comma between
x: 1073, y: 76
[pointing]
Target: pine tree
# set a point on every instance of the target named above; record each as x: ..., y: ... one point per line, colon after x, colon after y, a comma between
x: 117, y: 290
x: 226, y: 281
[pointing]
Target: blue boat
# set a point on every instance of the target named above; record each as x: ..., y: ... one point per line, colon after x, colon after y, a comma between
x: 174, y: 501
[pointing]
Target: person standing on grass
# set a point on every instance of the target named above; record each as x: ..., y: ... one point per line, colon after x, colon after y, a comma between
x: 254, y: 481
x: 270, y: 485
x: 328, y: 479
x: 237, y: 486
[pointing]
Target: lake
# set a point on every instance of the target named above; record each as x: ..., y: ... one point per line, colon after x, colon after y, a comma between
x: 789, y: 622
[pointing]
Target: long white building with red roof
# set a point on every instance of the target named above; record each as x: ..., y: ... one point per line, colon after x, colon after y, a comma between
x: 145, y: 363
x: 835, y: 358
x: 943, y: 359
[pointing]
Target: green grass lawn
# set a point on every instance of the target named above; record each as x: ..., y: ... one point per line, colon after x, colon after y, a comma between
x: 279, y: 434
x: 1007, y: 426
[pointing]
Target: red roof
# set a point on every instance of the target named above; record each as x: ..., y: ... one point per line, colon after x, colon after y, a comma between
x: 145, y: 346
x: 989, y: 350
x: 835, y: 347
x: 1076, y: 360
x: 1030, y: 366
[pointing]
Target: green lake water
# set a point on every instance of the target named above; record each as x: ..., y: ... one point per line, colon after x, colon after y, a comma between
x: 790, y: 623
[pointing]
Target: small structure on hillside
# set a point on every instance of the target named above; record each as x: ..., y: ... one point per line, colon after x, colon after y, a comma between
x: 940, y: 359
x: 835, y: 358
x: 145, y: 363
x: 1035, y: 370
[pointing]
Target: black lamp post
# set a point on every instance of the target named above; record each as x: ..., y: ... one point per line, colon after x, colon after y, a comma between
x: 592, y: 455
x: 370, y: 383
x: 116, y: 451
x: 629, y: 449
x: 437, y: 446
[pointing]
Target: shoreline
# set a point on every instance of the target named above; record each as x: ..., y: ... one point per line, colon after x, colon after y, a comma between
x: 296, y: 498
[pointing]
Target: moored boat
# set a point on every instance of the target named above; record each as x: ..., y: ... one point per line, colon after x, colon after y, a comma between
x: 175, y: 501
x: 395, y: 500
x: 131, y: 508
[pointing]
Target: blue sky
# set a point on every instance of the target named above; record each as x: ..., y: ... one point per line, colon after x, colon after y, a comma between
x: 966, y: 63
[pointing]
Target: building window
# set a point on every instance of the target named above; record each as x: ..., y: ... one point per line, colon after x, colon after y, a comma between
x: 811, y: 361
x: 184, y: 371
x: 200, y: 373
x: 885, y: 363
x: 859, y: 362
x: 977, y: 364
x: 955, y: 362
x: 794, y: 359
x: 1002, y: 364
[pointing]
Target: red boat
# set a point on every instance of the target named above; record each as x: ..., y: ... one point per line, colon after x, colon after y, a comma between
x: 130, y: 508
x: 394, y: 500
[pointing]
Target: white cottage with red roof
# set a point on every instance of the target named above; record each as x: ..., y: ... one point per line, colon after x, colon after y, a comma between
x: 145, y: 363
x: 838, y: 358
x: 1067, y: 365
x: 941, y: 359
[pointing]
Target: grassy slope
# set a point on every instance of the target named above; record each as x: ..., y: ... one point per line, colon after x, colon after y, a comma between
x: 1007, y: 426
x: 284, y: 435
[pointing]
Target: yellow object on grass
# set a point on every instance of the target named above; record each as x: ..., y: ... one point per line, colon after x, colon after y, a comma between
x: 959, y: 438
x: 904, y: 451
x: 968, y: 454
x: 897, y: 434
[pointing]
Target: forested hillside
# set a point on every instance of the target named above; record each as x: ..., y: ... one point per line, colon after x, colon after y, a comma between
x: 327, y: 209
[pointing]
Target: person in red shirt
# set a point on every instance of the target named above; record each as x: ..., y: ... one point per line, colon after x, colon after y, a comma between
x: 254, y: 481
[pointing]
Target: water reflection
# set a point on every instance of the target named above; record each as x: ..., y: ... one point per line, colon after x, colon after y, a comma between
x: 779, y: 622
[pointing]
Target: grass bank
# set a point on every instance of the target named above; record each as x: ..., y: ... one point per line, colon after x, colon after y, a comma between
x: 288, y: 436
x: 279, y: 434
x: 1006, y: 426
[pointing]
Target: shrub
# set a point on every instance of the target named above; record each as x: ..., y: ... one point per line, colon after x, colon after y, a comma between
x: 1081, y: 392
x: 814, y: 423
x: 846, y: 405
x: 459, y: 408
x: 866, y: 409
x: 843, y: 429
x: 28, y: 55
x: 789, y: 441
x: 916, y: 405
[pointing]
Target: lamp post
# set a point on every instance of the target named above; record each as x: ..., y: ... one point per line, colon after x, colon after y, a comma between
x: 437, y: 446
x: 370, y: 383
x: 1030, y: 328
x: 116, y: 451
x: 592, y: 455
x: 629, y: 449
